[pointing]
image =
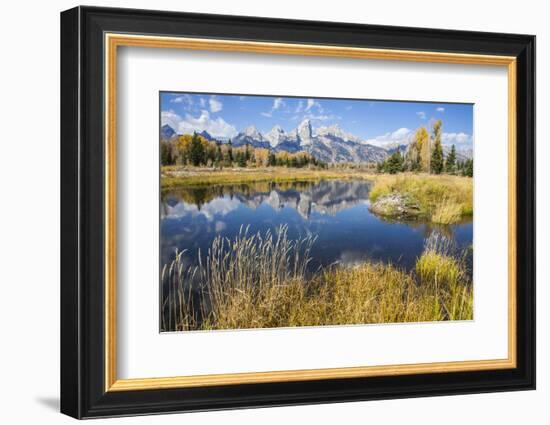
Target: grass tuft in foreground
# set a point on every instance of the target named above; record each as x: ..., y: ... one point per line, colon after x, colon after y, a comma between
x: 261, y: 281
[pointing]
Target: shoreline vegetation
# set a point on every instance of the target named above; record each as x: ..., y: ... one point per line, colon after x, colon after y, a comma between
x: 443, y: 199
x: 440, y: 199
x: 173, y: 177
x: 261, y: 281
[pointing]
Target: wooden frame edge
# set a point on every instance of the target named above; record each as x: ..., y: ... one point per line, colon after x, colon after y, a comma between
x: 114, y: 40
x: 306, y: 375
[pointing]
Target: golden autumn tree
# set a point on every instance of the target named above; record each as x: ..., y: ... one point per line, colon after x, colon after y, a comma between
x: 261, y: 157
x: 420, y: 149
x: 183, y: 147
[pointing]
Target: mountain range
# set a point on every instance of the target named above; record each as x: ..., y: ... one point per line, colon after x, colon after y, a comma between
x: 327, y: 143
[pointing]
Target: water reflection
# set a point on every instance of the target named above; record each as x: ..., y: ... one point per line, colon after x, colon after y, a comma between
x: 336, y: 212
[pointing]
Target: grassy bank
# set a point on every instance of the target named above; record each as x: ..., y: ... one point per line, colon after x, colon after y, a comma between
x: 261, y: 281
x: 174, y: 177
x: 442, y: 199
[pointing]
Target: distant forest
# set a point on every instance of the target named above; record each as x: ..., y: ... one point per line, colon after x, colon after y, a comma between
x: 197, y: 151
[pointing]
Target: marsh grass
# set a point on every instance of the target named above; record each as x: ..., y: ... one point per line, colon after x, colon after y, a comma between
x: 173, y: 177
x: 443, y: 199
x: 442, y: 270
x: 262, y: 281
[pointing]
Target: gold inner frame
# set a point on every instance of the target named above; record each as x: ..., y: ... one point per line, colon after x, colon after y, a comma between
x: 113, y: 41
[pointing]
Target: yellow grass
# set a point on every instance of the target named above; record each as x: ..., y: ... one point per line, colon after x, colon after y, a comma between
x: 260, y: 281
x: 443, y: 199
x: 445, y: 275
x: 174, y: 177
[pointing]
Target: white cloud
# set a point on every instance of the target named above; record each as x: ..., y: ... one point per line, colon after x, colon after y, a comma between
x: 184, y: 98
x: 217, y: 127
x: 349, y: 108
x: 322, y: 117
x: 278, y: 103
x: 401, y: 136
x: 217, y: 207
x: 314, y: 104
x: 456, y: 139
x: 440, y: 109
x: 316, y: 117
x: 401, y: 133
x: 170, y: 118
x: 299, y: 107
x: 202, y: 102
x: 215, y: 104
x: 421, y: 115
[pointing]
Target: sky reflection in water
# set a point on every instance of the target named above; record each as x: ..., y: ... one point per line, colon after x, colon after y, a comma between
x: 336, y: 212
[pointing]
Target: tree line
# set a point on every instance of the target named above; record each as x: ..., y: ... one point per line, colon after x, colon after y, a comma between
x: 195, y: 150
x: 425, y: 154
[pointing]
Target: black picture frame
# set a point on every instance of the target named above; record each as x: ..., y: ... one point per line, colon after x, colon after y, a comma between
x: 83, y: 392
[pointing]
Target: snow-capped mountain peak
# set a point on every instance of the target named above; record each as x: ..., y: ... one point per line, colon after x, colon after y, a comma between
x: 305, y: 132
x: 252, y: 132
x: 251, y: 136
x: 336, y: 131
x: 276, y: 136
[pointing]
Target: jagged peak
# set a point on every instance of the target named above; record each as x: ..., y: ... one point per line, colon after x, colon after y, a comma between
x: 252, y: 132
x: 277, y: 128
x: 167, y: 131
x: 305, y: 132
x: 337, y: 131
x: 276, y: 135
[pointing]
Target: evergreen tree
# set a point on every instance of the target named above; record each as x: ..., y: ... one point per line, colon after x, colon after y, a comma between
x: 219, y: 155
x: 436, y: 162
x: 468, y: 168
x: 246, y: 153
x: 271, y: 159
x: 241, y: 159
x: 166, y: 154
x: 394, y: 164
x: 197, y: 154
x: 230, y: 152
x: 450, y: 164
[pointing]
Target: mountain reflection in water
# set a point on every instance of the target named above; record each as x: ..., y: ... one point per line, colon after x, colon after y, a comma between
x: 336, y: 212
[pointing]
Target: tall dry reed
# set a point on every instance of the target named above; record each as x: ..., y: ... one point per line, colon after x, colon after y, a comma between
x: 262, y: 280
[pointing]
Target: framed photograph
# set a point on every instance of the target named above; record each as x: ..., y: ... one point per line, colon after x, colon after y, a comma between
x: 261, y: 212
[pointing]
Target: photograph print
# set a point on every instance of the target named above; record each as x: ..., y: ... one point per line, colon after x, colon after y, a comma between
x: 280, y: 212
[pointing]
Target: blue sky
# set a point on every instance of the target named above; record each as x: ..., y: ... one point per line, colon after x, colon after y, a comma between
x: 372, y: 120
